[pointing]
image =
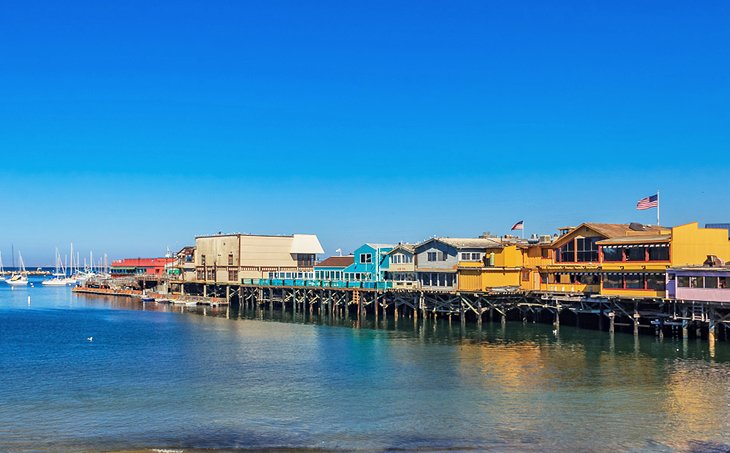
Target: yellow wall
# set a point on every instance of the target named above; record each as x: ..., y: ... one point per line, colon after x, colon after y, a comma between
x: 638, y: 293
x: 470, y: 279
x: 691, y: 244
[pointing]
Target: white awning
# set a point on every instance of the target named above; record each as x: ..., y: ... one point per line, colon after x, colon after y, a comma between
x: 306, y: 244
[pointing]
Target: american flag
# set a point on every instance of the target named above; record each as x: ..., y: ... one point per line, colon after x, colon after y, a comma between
x: 648, y: 202
x: 519, y: 225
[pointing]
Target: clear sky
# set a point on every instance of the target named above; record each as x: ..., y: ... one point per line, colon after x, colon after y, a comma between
x: 131, y: 126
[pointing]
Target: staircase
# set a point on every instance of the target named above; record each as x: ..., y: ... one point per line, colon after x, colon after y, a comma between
x: 697, y: 312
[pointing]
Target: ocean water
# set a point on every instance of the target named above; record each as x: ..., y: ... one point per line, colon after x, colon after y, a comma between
x: 199, y: 379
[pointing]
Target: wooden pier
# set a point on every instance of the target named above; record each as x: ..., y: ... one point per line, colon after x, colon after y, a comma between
x: 660, y: 317
x: 657, y: 316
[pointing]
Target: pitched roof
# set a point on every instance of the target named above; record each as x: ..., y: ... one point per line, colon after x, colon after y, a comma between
x: 407, y: 247
x: 336, y: 261
x: 470, y: 243
x: 379, y: 246
x: 612, y: 230
x: 615, y: 230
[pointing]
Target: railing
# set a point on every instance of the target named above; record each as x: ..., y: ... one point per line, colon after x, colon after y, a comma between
x: 316, y: 283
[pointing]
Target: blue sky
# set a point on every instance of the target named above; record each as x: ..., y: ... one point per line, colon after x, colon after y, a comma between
x: 131, y: 126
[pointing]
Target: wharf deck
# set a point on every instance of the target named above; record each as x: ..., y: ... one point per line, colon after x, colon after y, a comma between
x: 660, y: 315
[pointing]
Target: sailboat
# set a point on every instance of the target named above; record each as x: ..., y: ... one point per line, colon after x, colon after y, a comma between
x: 19, y: 278
x: 2, y: 268
x: 59, y: 275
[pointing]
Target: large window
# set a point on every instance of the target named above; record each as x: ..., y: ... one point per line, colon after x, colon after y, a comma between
x: 634, y: 281
x: 696, y: 282
x: 366, y: 258
x: 682, y: 282
x: 656, y: 282
x: 711, y: 282
x: 587, y: 250
x: 636, y: 254
x: 567, y: 252
x: 658, y: 253
x: 613, y: 281
x: 613, y: 254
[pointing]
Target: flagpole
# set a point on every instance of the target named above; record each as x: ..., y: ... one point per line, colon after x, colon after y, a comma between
x: 657, y: 208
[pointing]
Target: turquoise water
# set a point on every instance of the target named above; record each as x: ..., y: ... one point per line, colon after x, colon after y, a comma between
x: 158, y: 376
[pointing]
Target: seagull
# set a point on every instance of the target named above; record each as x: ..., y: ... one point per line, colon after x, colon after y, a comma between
x: 555, y: 332
x: 90, y: 339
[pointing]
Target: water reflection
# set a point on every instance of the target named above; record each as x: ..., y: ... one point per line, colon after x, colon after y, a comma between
x: 218, y: 377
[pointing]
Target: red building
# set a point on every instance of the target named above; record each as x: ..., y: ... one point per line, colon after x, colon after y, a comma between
x: 141, y: 266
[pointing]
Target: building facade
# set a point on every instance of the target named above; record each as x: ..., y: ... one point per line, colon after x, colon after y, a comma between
x: 369, y: 263
x: 232, y: 258
x: 141, y: 266
x: 402, y: 267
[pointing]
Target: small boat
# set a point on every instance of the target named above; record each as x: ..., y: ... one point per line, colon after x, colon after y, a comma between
x: 2, y: 269
x: 19, y: 278
x: 59, y: 275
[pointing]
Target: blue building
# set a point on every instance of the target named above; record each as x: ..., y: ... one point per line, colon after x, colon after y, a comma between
x: 370, y: 264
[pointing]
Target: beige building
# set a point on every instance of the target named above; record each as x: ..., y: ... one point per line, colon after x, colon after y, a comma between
x: 402, y: 266
x: 230, y: 258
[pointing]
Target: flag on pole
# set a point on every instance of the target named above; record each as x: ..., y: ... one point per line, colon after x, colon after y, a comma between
x: 519, y: 225
x: 648, y: 202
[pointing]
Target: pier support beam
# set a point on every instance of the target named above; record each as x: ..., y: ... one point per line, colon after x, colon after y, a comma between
x: 711, y: 327
x: 611, y: 323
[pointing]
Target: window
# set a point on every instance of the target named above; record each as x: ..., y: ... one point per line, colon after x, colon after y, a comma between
x: 468, y: 256
x: 305, y: 260
x: 613, y: 281
x: 211, y: 274
x: 634, y: 281
x: 232, y: 275
x: 587, y: 250
x: 546, y: 253
x: 432, y: 256
x: 696, y: 282
x: 543, y: 277
x: 525, y: 275
x: 656, y: 282
x: 567, y: 252
x: 722, y: 282
x: 682, y: 282
x: 636, y: 254
x: 202, y: 260
x: 613, y: 254
x: 711, y: 282
x: 200, y: 274
x: 396, y: 259
x: 230, y: 259
x: 366, y: 258
x: 658, y: 253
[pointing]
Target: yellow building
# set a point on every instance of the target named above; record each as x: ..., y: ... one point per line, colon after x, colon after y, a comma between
x: 575, y: 265
x: 626, y: 260
x: 497, y: 264
x: 635, y: 266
